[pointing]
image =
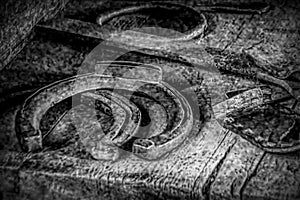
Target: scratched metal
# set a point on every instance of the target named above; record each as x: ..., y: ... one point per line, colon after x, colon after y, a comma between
x: 176, y: 106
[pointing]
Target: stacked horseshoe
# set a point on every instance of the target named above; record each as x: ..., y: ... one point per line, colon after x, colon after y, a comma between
x: 102, y: 88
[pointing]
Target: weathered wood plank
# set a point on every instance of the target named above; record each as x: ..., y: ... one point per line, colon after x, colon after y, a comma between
x: 173, y: 176
x: 277, y: 177
x: 239, y: 166
x: 215, y: 160
x: 224, y: 29
x: 211, y: 164
x: 272, y: 38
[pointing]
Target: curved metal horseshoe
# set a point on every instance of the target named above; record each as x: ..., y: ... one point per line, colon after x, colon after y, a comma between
x: 29, y: 116
x: 126, y: 128
x: 197, y: 31
x: 180, y: 117
x: 179, y: 125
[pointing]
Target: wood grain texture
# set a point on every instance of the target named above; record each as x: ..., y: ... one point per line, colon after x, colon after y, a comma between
x: 213, y: 163
x: 239, y: 166
x: 282, y: 175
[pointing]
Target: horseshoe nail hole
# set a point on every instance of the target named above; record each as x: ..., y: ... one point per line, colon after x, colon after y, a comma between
x: 162, y: 19
x: 143, y: 144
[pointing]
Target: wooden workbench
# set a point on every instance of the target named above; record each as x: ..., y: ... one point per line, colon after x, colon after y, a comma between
x: 213, y: 163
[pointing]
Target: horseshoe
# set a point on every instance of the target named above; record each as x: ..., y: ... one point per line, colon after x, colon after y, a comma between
x: 196, y: 32
x: 29, y: 116
x: 126, y: 121
x: 120, y: 106
x: 34, y: 107
x: 179, y: 124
